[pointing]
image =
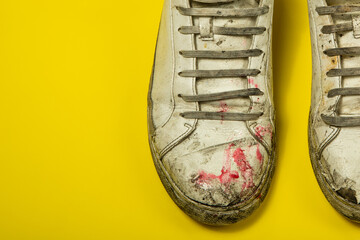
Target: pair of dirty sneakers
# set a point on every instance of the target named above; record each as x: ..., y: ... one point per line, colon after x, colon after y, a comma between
x: 211, y: 114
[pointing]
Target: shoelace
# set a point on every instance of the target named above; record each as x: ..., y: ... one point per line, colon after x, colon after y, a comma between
x: 207, y: 14
x: 354, y: 11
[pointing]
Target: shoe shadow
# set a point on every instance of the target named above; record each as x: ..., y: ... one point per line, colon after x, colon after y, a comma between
x: 355, y: 224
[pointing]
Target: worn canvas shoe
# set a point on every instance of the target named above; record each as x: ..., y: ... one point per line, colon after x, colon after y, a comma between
x: 334, y: 123
x: 210, y: 112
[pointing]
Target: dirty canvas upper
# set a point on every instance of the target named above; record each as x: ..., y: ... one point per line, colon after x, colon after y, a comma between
x: 211, y: 116
x: 334, y: 128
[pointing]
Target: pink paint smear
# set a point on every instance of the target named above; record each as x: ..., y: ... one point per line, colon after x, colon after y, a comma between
x: 244, y: 167
x: 227, y: 175
x: 259, y: 156
x: 223, y: 109
x: 261, y: 132
x: 251, y: 81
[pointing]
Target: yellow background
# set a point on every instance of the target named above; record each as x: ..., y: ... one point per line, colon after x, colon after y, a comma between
x: 74, y: 157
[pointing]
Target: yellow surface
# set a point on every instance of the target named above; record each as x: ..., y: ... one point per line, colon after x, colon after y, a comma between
x: 74, y: 157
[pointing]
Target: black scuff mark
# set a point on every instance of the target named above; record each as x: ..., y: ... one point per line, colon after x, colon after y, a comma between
x: 348, y: 194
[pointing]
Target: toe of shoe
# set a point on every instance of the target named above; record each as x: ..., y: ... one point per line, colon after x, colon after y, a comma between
x: 222, y: 196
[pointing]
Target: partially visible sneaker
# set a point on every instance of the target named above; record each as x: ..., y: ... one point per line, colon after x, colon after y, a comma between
x: 210, y: 110
x: 334, y: 123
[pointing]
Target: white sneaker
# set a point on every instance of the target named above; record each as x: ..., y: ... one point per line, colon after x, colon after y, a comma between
x: 334, y: 124
x: 211, y: 112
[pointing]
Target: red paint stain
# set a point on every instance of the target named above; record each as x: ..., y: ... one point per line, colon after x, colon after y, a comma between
x: 262, y: 131
x: 239, y: 156
x: 227, y: 175
x: 223, y: 109
x: 244, y: 167
x: 251, y: 81
x: 259, y: 156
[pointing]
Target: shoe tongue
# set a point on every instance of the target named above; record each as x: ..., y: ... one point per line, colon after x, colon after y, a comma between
x: 348, y: 105
x: 225, y: 43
